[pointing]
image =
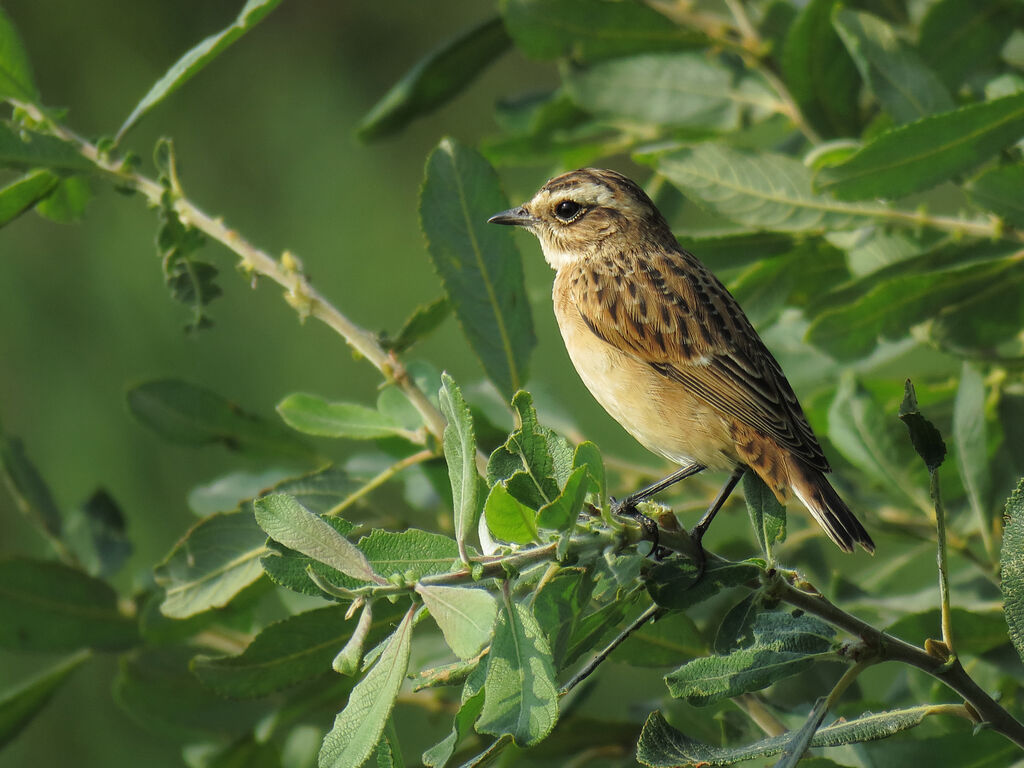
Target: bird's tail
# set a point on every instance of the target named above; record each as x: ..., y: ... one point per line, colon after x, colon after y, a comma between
x: 813, y: 489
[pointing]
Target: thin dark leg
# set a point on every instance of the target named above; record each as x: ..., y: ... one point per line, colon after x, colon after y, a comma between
x: 702, y: 526
x: 627, y: 507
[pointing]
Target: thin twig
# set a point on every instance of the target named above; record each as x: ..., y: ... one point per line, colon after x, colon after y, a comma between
x: 381, y: 478
x: 941, y: 560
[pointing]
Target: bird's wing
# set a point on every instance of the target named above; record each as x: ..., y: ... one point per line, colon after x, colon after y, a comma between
x: 673, y: 314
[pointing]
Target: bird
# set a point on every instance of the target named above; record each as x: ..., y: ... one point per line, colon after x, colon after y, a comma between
x: 666, y: 349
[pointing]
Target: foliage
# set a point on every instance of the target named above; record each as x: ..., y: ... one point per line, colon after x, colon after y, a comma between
x: 854, y: 173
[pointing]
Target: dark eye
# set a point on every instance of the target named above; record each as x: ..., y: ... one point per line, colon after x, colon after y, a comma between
x: 567, y: 210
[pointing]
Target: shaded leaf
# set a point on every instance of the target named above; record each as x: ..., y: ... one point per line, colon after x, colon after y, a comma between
x: 559, y: 606
x: 478, y: 263
x: 970, y: 440
x: 767, y: 516
x: 561, y: 512
x: 96, y: 532
x: 192, y: 415
x: 439, y: 754
x: 905, y: 86
x: 726, y: 251
x: 288, y: 652
x: 662, y: 643
x: 359, y: 726
x: 48, y: 606
x: 67, y: 201
x: 31, y: 494
x: 520, y: 697
x: 960, y: 37
x: 674, y: 584
x: 460, y: 454
x: 1011, y: 562
x: 27, y: 149
x: 999, y: 190
x: 21, y: 703
x: 588, y: 456
x: 662, y: 746
x: 420, y: 324
x: 213, y: 562
x: 926, y: 438
x: 198, y: 57
x: 226, y: 492
x: 686, y: 89
x: 736, y: 629
x: 984, y: 749
x: 315, y: 416
x: 548, y: 29
x: 285, y: 520
x: 435, y: 79
x: 764, y: 191
x: 819, y: 72
x: 800, y: 741
x: 15, y: 71
x: 785, y: 643
x: 977, y: 631
x: 464, y: 614
x: 919, y: 155
x: 23, y: 193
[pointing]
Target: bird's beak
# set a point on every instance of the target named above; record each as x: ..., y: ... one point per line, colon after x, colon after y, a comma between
x: 515, y: 216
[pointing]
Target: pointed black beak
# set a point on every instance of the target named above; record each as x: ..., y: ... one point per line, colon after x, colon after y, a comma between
x: 514, y: 216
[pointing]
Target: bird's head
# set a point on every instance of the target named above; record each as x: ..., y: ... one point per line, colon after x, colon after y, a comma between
x: 584, y: 213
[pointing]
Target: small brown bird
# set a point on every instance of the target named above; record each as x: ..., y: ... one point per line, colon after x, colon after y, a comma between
x: 665, y: 348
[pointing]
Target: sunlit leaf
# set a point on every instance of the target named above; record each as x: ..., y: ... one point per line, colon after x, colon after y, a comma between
x: 460, y: 454
x: 22, y: 194
x: 316, y: 416
x: 464, y: 614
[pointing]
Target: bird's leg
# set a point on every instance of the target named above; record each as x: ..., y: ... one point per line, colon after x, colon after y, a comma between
x: 698, y: 531
x: 627, y: 507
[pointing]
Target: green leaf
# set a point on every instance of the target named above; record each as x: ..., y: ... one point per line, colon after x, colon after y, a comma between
x: 588, y: 456
x: 764, y: 191
x: 971, y: 442
x: 439, y: 754
x: 216, y: 559
x: 464, y: 614
x: 224, y: 493
x: 185, y: 413
x: 676, y: 584
x: 561, y: 512
x: 508, y: 519
x: 958, y: 38
x: 534, y: 463
x: 549, y: 29
x: 420, y: 324
x: 662, y: 643
x: 736, y: 629
x: 48, y: 606
x: 767, y: 516
x: 154, y: 687
x: 24, y: 193
x: 559, y: 606
x: 67, y: 202
x: 984, y: 749
x: 662, y: 746
x: 998, y: 190
x: 359, y: 726
x: 977, y: 631
x: 905, y: 86
x: 15, y: 71
x: 18, y: 705
x: 685, y: 89
x: 919, y: 155
x: 863, y: 433
x: 411, y: 554
x: 460, y: 454
x: 315, y: 416
x: 478, y: 263
x: 27, y: 149
x: 520, y: 697
x: 727, y: 251
x: 435, y: 79
x: 285, y: 520
x: 784, y: 644
x: 926, y: 438
x: 198, y: 57
x: 800, y: 741
x: 289, y: 652
x: 820, y: 74
x: 96, y: 533
x: 1011, y: 562
x: 888, y: 303
x: 31, y: 494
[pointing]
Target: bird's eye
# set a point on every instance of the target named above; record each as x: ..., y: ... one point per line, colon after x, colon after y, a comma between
x: 567, y: 211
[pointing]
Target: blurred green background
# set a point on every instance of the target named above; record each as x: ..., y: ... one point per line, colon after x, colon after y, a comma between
x: 264, y: 138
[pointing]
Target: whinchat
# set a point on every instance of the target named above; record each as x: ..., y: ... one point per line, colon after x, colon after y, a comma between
x: 666, y: 349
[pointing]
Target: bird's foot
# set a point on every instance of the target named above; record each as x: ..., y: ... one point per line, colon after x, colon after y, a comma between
x: 627, y: 508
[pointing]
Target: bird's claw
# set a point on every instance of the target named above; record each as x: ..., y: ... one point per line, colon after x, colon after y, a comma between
x: 627, y: 508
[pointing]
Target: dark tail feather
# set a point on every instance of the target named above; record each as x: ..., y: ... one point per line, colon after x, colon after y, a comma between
x: 817, y: 494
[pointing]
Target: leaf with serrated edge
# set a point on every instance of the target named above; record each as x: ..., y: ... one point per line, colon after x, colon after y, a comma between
x: 359, y: 726
x: 520, y: 697
x: 287, y: 521
x: 478, y: 263
x: 662, y: 746
x: 464, y: 614
x: 198, y: 57
x: 460, y: 454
